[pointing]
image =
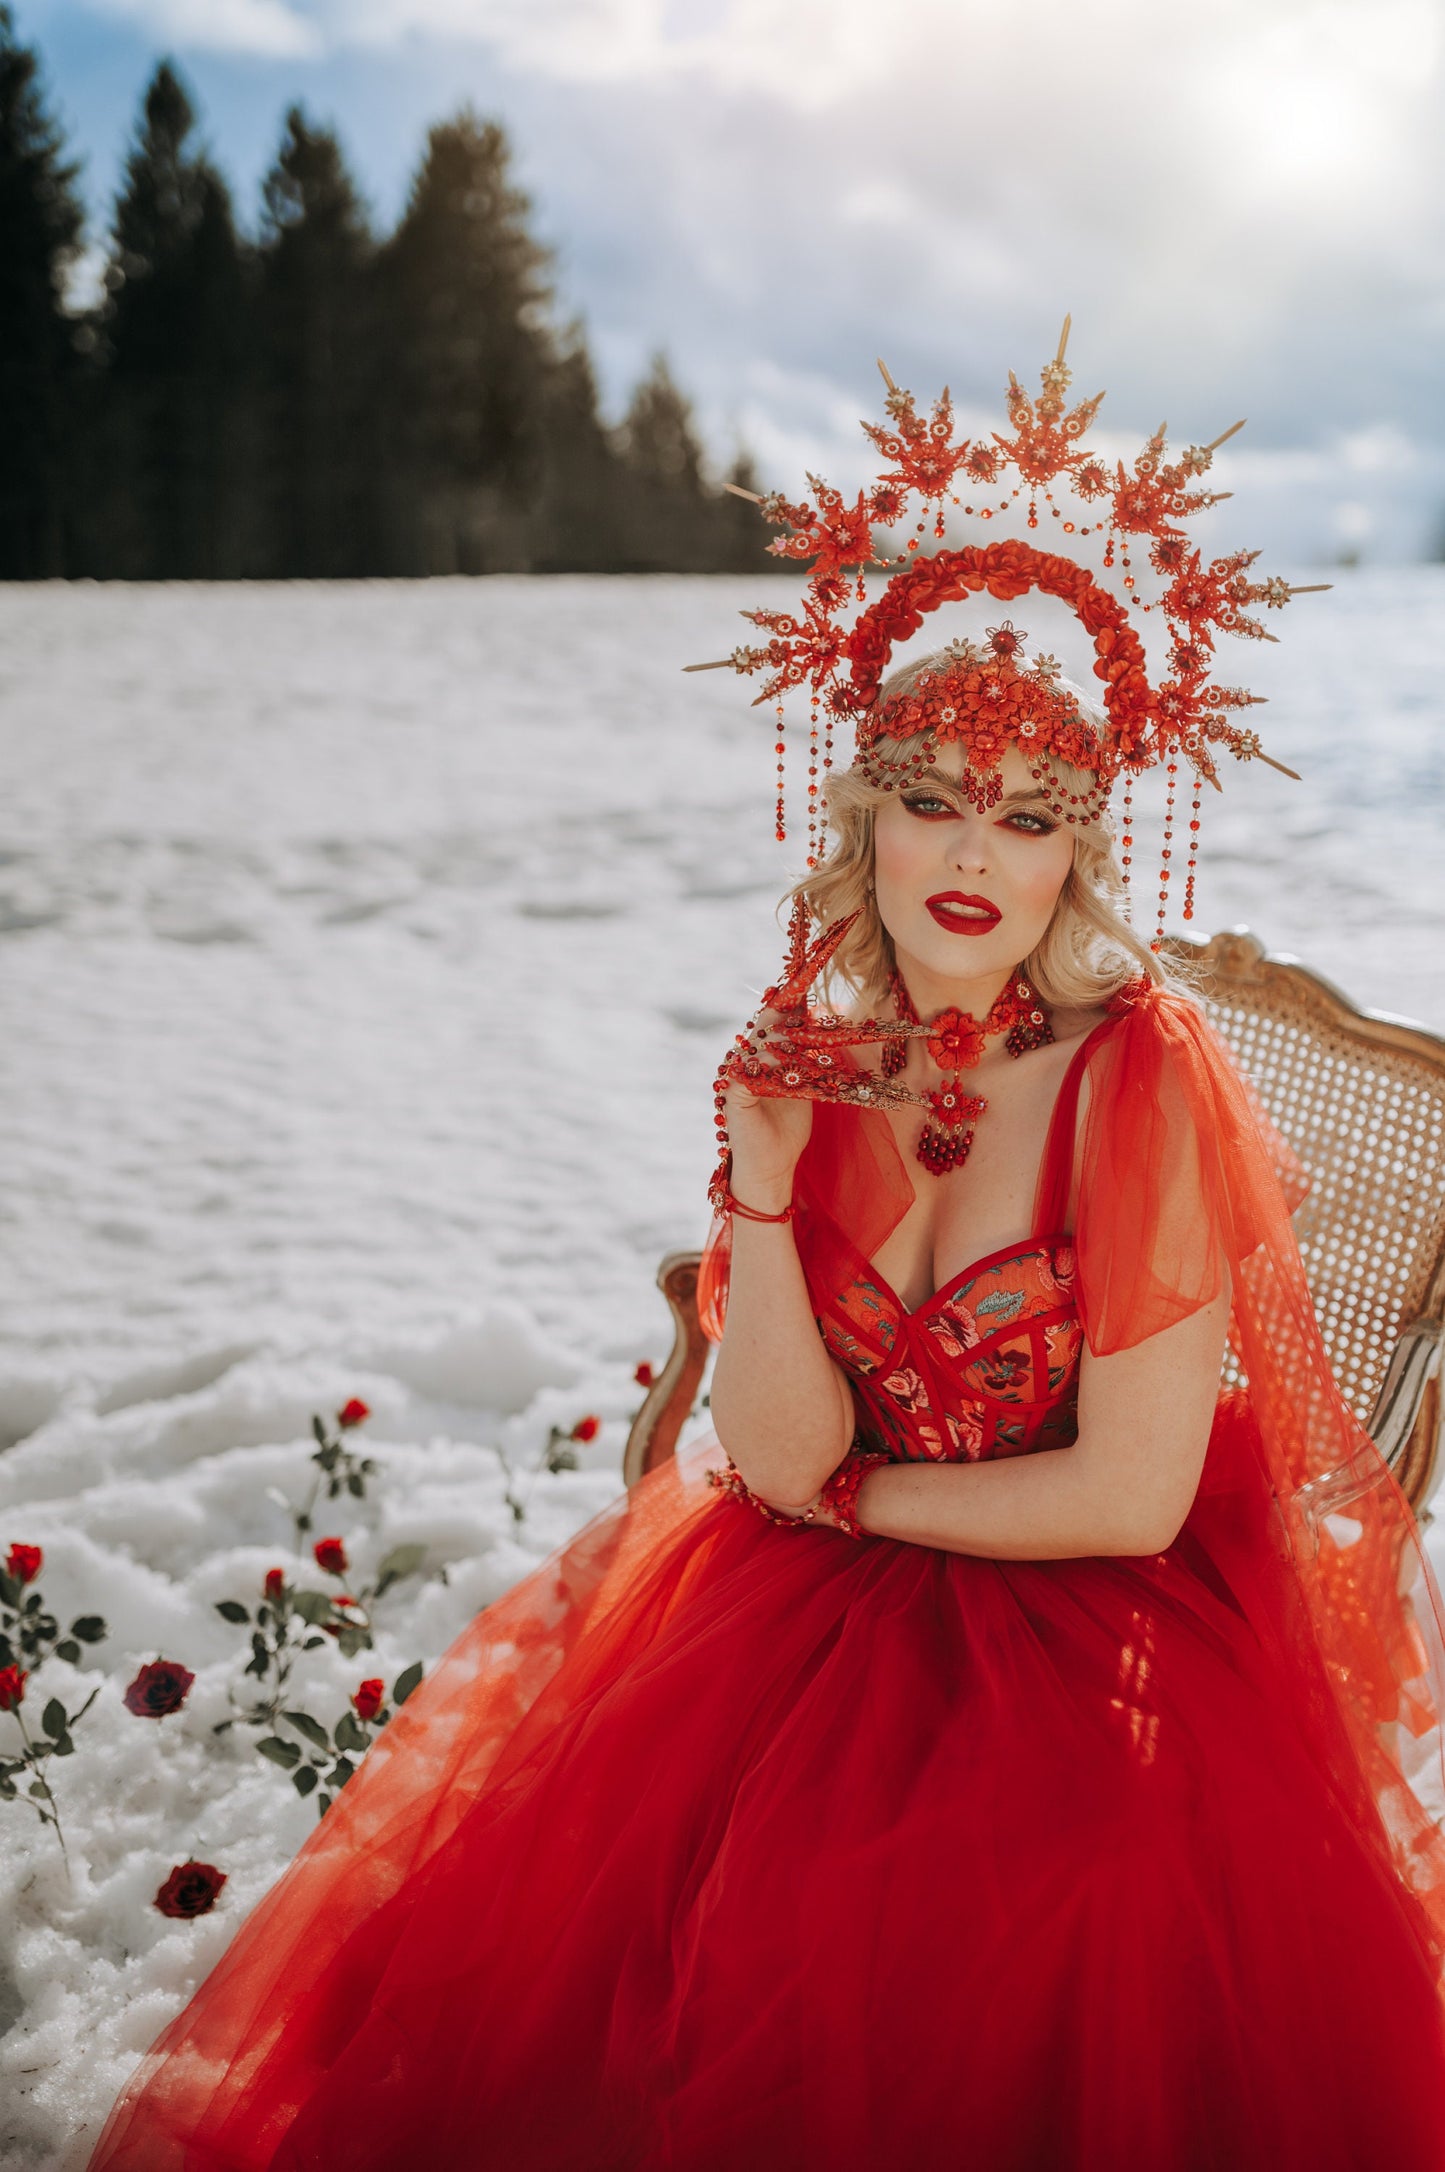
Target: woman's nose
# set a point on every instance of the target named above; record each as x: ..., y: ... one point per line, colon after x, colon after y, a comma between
x: 969, y: 845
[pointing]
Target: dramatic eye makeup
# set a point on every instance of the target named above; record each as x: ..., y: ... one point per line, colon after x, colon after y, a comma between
x: 1018, y: 812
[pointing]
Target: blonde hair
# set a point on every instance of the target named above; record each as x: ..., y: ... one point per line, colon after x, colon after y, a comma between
x: 1085, y: 955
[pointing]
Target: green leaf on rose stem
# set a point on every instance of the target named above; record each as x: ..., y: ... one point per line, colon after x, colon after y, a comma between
x: 221, y: 1726
x: 304, y: 1779
x: 303, y: 1522
x: 356, y: 1484
x: 406, y: 1682
x: 7, y: 1788
x: 232, y: 1610
x: 258, y: 1664
x: 9, y: 1590
x: 350, y: 1734
x: 279, y: 1752
x: 7, y: 1652
x: 323, y: 1804
x: 63, y: 1746
x: 52, y: 1719
x: 341, y: 1772
x: 32, y: 1604
x: 90, y: 1628
x: 313, y: 1644
x: 68, y: 1650
x: 38, y: 1788
x: 314, y: 1607
x: 353, y: 1640
x: 401, y: 1561
x: 368, y: 1466
x: 313, y: 1730
x: 319, y: 1430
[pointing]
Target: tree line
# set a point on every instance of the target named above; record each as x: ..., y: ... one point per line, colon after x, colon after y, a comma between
x: 316, y: 400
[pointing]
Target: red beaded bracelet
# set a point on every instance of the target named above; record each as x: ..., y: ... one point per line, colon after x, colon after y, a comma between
x: 841, y: 1490
x: 732, y: 1481
x: 752, y: 1214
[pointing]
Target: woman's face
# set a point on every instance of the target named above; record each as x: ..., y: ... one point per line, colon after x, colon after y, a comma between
x: 966, y: 896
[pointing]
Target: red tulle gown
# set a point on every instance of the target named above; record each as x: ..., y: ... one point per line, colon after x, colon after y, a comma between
x: 727, y: 1847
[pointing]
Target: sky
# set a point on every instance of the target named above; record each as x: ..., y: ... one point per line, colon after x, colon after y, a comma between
x: 1241, y: 205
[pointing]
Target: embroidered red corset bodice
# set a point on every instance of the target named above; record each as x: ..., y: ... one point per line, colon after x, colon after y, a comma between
x: 989, y: 1365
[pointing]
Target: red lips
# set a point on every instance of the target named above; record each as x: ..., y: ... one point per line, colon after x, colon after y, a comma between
x: 964, y: 915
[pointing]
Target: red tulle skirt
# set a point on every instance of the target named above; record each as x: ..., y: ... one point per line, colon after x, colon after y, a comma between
x: 727, y: 1846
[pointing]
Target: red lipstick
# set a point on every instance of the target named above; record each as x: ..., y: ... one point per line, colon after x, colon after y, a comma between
x: 963, y: 915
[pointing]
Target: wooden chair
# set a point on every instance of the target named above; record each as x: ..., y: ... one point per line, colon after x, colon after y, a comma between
x: 1360, y: 1096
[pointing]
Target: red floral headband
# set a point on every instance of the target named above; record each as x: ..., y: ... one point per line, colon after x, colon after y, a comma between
x: 1184, y: 715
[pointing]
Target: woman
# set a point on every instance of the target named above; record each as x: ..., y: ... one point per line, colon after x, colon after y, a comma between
x: 982, y: 1772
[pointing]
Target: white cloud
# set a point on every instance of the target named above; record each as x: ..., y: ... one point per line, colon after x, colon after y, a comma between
x: 269, y: 27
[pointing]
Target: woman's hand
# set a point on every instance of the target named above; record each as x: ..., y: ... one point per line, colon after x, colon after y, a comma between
x: 767, y: 1134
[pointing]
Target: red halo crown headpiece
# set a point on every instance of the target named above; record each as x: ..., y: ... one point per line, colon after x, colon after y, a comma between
x: 984, y: 697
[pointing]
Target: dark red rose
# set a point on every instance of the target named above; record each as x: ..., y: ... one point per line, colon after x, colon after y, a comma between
x: 12, y: 1688
x: 330, y: 1556
x: 586, y: 1429
x: 158, y: 1689
x: 643, y: 1374
x: 275, y: 1585
x: 370, y: 1698
x: 353, y: 1413
x: 23, y: 1562
x: 190, y: 1890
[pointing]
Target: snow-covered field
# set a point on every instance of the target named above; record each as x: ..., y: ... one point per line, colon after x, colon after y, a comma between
x: 367, y: 951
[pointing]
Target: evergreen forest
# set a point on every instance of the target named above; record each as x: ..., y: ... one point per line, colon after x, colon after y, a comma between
x: 315, y: 400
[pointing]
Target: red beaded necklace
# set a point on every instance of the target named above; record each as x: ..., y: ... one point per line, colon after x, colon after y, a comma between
x: 955, y: 1041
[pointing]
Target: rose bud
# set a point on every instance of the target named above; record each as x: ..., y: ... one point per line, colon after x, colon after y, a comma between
x: 644, y: 1375
x: 23, y: 1563
x: 331, y: 1556
x: 158, y: 1689
x: 353, y: 1413
x: 12, y: 1688
x: 370, y: 1698
x: 586, y: 1429
x: 275, y: 1585
x: 190, y: 1890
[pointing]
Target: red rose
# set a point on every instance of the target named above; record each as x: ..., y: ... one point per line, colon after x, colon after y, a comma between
x: 353, y: 1413
x: 158, y: 1689
x: 275, y: 1585
x: 330, y: 1556
x: 370, y: 1698
x: 586, y: 1429
x: 23, y: 1562
x: 12, y: 1688
x: 644, y: 1375
x: 190, y: 1890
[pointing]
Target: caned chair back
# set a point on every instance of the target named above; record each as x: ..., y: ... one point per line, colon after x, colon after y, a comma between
x: 1360, y: 1097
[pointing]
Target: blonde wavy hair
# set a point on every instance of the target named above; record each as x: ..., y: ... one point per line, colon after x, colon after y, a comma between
x: 1087, y: 952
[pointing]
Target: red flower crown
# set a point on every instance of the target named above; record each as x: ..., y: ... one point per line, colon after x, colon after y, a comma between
x: 1185, y: 715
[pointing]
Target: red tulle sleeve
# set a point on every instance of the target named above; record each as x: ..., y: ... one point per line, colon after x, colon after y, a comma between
x: 1181, y: 1180
x: 852, y: 1171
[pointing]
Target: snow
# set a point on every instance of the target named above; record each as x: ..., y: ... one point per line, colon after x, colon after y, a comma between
x: 367, y: 952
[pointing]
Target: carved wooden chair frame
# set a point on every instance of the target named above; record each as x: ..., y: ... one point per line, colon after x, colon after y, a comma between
x: 1360, y: 1096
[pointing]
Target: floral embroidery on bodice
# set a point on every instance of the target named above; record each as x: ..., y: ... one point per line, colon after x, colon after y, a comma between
x: 989, y: 1366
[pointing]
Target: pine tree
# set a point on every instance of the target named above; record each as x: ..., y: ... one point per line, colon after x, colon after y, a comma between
x: 672, y: 514
x: 466, y: 357
x: 41, y: 222
x: 178, y: 353
x: 316, y: 252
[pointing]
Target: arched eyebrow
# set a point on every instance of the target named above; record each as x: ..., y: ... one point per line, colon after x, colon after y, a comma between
x: 939, y: 776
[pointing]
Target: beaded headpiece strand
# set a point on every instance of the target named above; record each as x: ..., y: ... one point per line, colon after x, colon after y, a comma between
x: 985, y: 695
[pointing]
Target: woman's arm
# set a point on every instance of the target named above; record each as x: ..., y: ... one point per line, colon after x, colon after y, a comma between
x: 1124, y: 1487
x: 780, y: 1406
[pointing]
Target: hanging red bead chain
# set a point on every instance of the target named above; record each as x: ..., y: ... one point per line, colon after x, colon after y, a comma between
x: 956, y: 1041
